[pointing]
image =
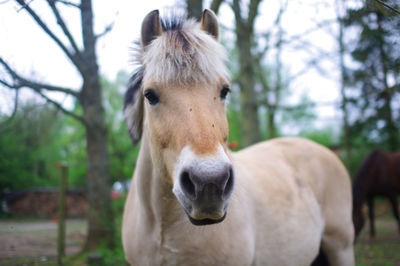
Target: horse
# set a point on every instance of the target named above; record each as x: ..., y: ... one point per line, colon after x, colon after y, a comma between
x: 379, y: 175
x: 194, y: 202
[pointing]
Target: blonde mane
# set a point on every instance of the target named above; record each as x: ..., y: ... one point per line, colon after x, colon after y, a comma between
x: 183, y: 54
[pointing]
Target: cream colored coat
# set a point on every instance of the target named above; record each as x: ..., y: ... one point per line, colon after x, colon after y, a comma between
x: 290, y: 196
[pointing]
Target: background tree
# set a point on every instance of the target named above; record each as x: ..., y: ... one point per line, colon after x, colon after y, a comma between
x: 194, y: 8
x: 375, y: 80
x: 25, y: 155
x: 341, y: 51
x: 122, y: 154
x: 244, y: 29
x: 89, y: 96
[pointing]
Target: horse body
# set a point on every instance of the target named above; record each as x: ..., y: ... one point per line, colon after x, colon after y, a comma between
x: 379, y: 175
x: 192, y: 201
x: 284, y: 197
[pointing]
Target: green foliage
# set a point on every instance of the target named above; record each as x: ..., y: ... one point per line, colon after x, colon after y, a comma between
x: 110, y: 256
x: 235, y: 132
x: 122, y: 153
x: 26, y: 158
x: 300, y: 116
x: 325, y: 137
x: 116, y: 255
x: 374, y: 81
x: 39, y: 136
x: 71, y: 144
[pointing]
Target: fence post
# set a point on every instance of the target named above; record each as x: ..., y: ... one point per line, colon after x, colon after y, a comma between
x: 61, y: 211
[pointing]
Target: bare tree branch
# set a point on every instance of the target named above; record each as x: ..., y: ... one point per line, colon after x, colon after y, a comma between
x: 215, y: 4
x: 63, y: 26
x: 59, y: 106
x: 388, y: 6
x: 46, y: 29
x: 319, y: 26
x: 68, y: 3
x: 17, y: 85
x: 267, y: 35
x: 106, y: 30
x: 8, y: 85
x: 253, y: 10
x: 23, y: 82
x: 237, y: 11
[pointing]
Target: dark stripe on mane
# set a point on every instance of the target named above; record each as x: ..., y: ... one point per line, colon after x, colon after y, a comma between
x: 359, y: 180
x: 175, y: 23
x: 135, y: 83
x: 172, y: 22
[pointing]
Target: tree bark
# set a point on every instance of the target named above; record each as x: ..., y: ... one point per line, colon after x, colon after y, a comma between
x: 249, y: 105
x: 343, y: 106
x: 194, y: 9
x: 271, y: 123
x: 101, y: 223
x: 100, y: 216
x: 215, y: 5
x: 387, y: 94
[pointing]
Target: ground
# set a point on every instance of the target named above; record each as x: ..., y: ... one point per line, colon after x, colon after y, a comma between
x: 33, y: 242
x: 384, y: 249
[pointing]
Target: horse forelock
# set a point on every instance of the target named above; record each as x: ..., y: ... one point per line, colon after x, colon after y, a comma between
x: 183, y: 54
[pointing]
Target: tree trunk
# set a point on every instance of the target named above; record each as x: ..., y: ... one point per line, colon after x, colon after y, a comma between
x: 271, y: 123
x: 100, y: 216
x: 343, y: 106
x: 387, y: 94
x: 101, y: 222
x: 249, y: 105
x: 194, y: 9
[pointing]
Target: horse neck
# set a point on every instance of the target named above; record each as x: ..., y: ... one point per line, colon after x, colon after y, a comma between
x: 153, y: 187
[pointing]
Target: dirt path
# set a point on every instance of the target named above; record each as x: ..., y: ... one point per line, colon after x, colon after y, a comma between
x: 38, y: 239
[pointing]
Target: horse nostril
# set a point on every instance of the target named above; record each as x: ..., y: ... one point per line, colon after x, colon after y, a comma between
x: 187, y: 185
x: 229, y: 184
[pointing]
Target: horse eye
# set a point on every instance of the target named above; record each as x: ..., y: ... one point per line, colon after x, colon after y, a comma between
x: 151, y: 96
x: 224, y: 92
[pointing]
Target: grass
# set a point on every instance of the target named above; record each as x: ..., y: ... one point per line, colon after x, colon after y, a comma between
x: 114, y: 256
x: 384, y: 250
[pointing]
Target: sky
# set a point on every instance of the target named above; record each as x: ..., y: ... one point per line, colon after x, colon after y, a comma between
x: 31, y: 51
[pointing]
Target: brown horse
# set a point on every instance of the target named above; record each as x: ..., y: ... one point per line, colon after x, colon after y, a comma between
x: 194, y: 202
x: 379, y: 175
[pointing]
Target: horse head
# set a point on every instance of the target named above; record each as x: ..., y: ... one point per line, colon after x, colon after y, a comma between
x: 176, y: 101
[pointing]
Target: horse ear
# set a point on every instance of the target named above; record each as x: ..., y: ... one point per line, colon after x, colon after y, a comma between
x: 209, y: 23
x: 151, y: 28
x: 133, y: 107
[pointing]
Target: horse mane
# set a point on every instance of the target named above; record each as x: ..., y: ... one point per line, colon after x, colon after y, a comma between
x: 135, y: 83
x: 359, y: 181
x: 182, y: 55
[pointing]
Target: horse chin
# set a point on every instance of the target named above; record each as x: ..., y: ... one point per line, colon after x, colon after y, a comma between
x: 206, y: 221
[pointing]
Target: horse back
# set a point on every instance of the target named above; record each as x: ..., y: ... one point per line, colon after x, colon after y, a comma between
x: 309, y: 164
x: 301, y: 184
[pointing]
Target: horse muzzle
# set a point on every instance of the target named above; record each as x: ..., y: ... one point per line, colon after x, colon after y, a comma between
x: 203, y: 188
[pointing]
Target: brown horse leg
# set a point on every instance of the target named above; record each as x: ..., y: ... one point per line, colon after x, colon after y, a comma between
x: 370, y: 202
x: 395, y: 209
